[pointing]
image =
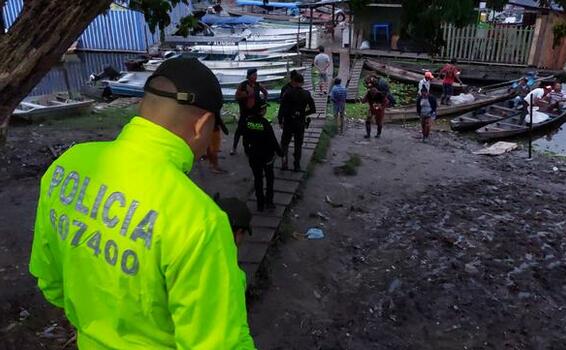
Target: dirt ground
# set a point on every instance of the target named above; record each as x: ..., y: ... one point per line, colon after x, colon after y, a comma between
x: 427, y: 247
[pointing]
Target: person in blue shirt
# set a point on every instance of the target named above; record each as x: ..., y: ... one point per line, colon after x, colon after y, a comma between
x: 338, y: 96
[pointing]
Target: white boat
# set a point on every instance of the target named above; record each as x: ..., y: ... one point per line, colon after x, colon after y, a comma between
x: 237, y: 67
x: 51, y: 106
x: 260, y: 71
x: 256, y: 57
x: 245, y: 48
x: 132, y: 83
x: 242, y: 64
x: 152, y: 65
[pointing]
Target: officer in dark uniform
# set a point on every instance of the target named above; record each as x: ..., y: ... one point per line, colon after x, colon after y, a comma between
x: 261, y: 146
x: 292, y: 74
x: 248, y: 96
x: 296, y: 104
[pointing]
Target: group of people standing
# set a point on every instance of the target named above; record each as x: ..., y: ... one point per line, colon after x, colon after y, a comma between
x: 259, y: 141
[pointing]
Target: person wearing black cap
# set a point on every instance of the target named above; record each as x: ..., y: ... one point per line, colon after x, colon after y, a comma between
x: 261, y: 146
x: 140, y: 256
x: 239, y: 215
x: 292, y: 74
x: 296, y: 104
x: 247, y: 95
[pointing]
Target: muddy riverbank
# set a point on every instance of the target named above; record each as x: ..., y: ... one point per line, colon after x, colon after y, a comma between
x: 427, y: 247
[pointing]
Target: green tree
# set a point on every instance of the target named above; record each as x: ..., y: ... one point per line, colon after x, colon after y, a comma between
x: 422, y: 19
x: 42, y: 33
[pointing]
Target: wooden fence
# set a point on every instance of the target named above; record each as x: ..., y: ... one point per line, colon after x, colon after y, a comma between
x: 505, y: 44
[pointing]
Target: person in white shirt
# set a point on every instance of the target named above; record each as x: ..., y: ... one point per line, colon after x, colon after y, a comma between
x: 322, y: 63
x: 425, y: 82
x: 537, y: 94
x: 539, y: 106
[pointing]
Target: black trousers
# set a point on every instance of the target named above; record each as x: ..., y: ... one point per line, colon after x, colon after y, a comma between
x: 239, y: 130
x: 297, y: 132
x: 260, y: 168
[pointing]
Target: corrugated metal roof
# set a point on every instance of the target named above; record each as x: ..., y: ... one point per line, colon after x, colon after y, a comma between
x: 120, y: 29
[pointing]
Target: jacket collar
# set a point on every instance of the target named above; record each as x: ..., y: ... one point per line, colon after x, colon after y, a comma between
x: 158, y: 141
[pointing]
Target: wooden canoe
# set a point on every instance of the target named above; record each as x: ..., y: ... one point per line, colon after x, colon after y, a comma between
x: 476, y: 119
x: 407, y: 76
x: 484, y: 97
x: 516, y: 126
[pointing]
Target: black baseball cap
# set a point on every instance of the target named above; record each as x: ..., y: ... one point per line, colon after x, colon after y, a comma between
x: 195, y: 83
x: 239, y: 214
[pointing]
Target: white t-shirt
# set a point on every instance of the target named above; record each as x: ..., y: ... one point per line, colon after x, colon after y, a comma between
x: 423, y: 83
x: 322, y: 62
x: 537, y: 94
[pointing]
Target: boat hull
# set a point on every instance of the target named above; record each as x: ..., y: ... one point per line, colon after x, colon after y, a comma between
x: 31, y: 110
x: 406, y: 76
x: 476, y: 119
x: 512, y: 127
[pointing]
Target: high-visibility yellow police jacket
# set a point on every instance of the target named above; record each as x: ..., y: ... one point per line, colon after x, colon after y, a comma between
x: 137, y: 255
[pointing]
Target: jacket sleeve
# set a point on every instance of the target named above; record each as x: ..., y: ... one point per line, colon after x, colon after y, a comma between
x: 274, y: 142
x: 419, y: 105
x: 282, y: 108
x: 206, y: 290
x: 43, y: 264
x: 246, y: 140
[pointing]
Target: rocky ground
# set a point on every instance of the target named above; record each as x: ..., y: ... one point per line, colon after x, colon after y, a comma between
x: 427, y: 247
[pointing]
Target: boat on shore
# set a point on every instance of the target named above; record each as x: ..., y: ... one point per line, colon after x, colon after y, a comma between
x: 517, y: 126
x: 132, y: 83
x: 152, y: 65
x: 407, y: 76
x: 476, y: 119
x: 245, y: 48
x: 40, y: 108
x: 260, y: 71
x: 484, y: 97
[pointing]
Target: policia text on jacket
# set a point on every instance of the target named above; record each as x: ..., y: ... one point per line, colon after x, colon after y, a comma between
x: 70, y: 185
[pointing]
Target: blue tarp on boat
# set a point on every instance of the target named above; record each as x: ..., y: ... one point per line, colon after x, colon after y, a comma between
x: 224, y: 20
x: 286, y: 5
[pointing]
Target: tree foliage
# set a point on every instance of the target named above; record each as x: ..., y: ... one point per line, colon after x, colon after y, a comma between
x: 45, y: 29
x: 422, y: 19
x: 156, y: 13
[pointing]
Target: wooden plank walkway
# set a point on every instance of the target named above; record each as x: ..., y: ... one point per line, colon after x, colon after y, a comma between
x: 354, y: 83
x: 265, y: 225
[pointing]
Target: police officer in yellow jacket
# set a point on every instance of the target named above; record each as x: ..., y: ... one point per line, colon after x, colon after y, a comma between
x: 137, y: 255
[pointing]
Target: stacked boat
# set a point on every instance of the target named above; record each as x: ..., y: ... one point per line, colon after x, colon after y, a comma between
x: 229, y: 74
x: 229, y: 48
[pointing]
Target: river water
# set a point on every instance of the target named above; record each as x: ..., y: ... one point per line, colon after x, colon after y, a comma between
x: 554, y: 142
